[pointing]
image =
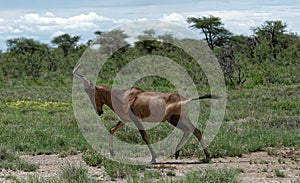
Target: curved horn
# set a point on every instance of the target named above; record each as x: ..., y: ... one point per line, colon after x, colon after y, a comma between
x: 88, y: 85
x: 79, y: 76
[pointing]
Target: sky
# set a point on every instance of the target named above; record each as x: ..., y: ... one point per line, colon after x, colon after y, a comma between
x: 44, y: 20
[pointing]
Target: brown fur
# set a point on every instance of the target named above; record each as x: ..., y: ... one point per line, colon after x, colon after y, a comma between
x: 120, y: 101
x: 136, y: 105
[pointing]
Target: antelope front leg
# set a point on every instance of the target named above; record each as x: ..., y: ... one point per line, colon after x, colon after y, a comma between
x: 112, y: 131
x: 143, y: 133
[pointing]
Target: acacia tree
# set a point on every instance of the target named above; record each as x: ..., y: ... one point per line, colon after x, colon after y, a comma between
x: 213, y: 29
x: 270, y: 35
x: 66, y: 42
x: 221, y: 41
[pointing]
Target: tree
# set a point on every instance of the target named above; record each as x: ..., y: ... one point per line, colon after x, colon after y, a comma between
x: 147, y: 41
x: 26, y: 57
x: 213, y: 30
x: 98, y: 33
x: 270, y: 34
x: 112, y: 41
x: 66, y: 42
x: 25, y: 45
x: 232, y: 69
x: 147, y: 34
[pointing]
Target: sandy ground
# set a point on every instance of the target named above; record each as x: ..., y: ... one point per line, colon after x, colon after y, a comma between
x: 256, y: 166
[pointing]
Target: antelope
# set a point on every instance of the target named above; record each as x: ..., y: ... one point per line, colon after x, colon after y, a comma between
x: 137, y: 106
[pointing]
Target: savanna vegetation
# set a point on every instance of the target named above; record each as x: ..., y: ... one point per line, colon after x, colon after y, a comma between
x: 262, y: 78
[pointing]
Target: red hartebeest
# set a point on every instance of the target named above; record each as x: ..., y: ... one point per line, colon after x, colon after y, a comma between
x: 137, y: 105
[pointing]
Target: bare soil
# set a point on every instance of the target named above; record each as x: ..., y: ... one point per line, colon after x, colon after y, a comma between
x: 271, y: 165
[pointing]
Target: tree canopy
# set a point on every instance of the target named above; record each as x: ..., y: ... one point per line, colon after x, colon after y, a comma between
x: 270, y: 55
x: 213, y: 29
x: 66, y: 42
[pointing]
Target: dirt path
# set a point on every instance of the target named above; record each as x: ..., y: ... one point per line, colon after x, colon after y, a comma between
x: 282, y: 166
x: 279, y: 165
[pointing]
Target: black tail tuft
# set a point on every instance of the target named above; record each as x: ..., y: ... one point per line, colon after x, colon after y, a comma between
x: 207, y: 96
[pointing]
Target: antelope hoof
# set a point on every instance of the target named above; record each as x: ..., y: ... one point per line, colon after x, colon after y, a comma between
x: 176, y: 154
x: 207, y: 160
x: 112, y: 153
x: 153, y: 161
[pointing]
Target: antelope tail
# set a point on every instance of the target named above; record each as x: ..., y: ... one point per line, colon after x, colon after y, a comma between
x: 206, y: 96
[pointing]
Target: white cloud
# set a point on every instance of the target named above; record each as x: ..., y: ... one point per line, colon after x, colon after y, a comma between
x: 36, y: 19
x: 49, y: 14
x: 13, y: 36
x: 237, y: 21
x: 161, y: 27
x: 174, y: 17
x: 121, y: 20
x: 50, y: 22
x: 57, y: 33
x: 9, y: 29
x: 26, y: 28
x: 238, y: 17
x: 91, y: 17
x: 16, y: 31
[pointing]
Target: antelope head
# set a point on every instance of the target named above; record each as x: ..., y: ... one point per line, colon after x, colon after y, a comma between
x: 88, y: 85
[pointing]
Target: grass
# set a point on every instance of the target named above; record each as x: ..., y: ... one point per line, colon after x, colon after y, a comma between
x: 9, y: 160
x: 38, y: 126
x: 39, y: 119
x: 212, y: 176
x: 67, y: 174
x: 78, y: 174
x: 119, y: 170
x: 279, y: 173
x: 203, y: 176
x: 71, y: 173
x: 93, y: 158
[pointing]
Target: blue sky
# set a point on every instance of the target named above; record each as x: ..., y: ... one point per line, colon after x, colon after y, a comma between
x: 43, y: 20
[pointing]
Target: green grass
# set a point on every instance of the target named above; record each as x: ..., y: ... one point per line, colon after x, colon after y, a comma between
x: 212, y: 176
x: 93, y: 158
x: 38, y: 123
x: 75, y: 174
x: 203, y: 176
x: 70, y: 173
x: 114, y: 169
x: 279, y: 173
x: 67, y: 174
x: 9, y: 160
x: 39, y: 131
x: 39, y: 119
